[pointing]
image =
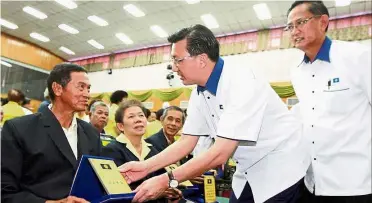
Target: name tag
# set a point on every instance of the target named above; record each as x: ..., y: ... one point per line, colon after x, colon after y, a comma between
x: 209, y: 189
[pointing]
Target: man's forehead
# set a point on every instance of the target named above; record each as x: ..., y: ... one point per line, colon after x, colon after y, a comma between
x: 100, y: 107
x: 179, y: 48
x: 300, y: 11
x: 174, y: 113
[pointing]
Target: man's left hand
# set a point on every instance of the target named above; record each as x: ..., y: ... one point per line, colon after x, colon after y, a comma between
x: 151, y: 189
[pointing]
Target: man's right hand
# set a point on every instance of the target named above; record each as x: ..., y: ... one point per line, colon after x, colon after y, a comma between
x: 133, y: 171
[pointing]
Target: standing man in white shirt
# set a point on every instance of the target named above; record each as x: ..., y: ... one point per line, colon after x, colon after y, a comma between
x: 333, y: 84
x: 243, y: 114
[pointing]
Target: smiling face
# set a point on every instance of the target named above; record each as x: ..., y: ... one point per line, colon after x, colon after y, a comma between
x: 172, y: 122
x: 307, y: 29
x: 134, y: 122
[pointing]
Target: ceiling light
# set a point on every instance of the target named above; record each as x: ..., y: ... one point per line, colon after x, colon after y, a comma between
x: 262, y: 11
x: 34, y: 12
x: 67, y: 51
x: 124, y: 38
x: 209, y: 21
x: 67, y: 3
x: 39, y: 37
x: 192, y: 1
x: 68, y: 29
x: 8, y: 24
x: 5, y: 63
x: 133, y: 10
x: 95, y: 44
x: 158, y: 31
x: 341, y: 3
x: 97, y: 20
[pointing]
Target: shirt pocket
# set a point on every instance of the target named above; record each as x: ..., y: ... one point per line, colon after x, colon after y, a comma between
x: 336, y: 99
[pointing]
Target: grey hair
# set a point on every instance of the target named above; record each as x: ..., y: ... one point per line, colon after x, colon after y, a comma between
x: 175, y: 108
x: 95, y: 104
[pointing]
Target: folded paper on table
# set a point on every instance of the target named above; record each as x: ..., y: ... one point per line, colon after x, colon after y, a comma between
x: 98, y: 180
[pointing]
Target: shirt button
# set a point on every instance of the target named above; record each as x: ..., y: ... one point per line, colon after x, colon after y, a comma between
x: 212, y: 115
x: 312, y: 126
x: 313, y: 108
x: 315, y: 159
x: 208, y: 97
x: 313, y: 142
x: 313, y: 91
x: 246, y: 173
x: 313, y: 75
x: 237, y: 162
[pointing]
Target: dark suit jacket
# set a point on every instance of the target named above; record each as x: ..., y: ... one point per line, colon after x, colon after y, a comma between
x: 159, y: 142
x: 37, y: 162
x: 121, y: 154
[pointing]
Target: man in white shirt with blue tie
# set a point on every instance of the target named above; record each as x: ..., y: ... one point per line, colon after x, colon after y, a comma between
x: 244, y: 116
x: 333, y: 84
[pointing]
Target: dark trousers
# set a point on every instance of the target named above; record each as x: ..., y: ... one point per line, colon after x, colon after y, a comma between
x: 308, y: 197
x: 290, y: 195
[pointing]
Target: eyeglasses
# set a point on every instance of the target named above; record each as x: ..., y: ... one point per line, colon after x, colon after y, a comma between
x: 299, y: 23
x: 177, y: 61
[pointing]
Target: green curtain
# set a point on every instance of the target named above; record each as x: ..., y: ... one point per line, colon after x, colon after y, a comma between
x: 168, y: 96
x: 284, y: 91
x: 141, y: 97
x: 187, y: 91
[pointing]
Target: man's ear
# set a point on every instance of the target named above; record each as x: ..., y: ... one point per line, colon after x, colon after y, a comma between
x: 203, y: 59
x: 324, y: 20
x: 57, y: 89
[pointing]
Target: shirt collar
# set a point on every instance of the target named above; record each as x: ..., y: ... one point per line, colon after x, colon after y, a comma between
x: 213, y: 79
x: 145, y: 146
x: 323, y: 53
x: 73, y: 125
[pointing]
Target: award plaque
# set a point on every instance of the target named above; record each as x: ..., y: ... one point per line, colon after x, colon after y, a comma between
x: 98, y: 180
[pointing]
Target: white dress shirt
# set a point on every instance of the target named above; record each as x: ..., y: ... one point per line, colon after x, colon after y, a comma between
x: 335, y: 96
x: 71, y: 134
x: 237, y: 105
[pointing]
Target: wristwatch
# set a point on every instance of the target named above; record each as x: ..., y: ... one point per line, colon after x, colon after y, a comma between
x: 173, y: 183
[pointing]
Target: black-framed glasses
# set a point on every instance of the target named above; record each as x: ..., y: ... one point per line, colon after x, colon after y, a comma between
x: 299, y: 23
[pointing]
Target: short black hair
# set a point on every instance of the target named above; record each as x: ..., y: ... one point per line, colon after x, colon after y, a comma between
x: 119, y: 114
x: 61, y: 74
x: 199, y: 40
x: 159, y: 113
x: 174, y: 108
x: 315, y: 7
x: 26, y: 101
x: 117, y: 96
x: 147, y: 112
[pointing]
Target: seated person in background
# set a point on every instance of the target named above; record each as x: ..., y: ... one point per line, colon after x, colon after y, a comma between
x: 40, y: 152
x: 26, y: 106
x: 151, y: 117
x: 13, y: 108
x: 155, y: 125
x: 130, y: 145
x: 44, y: 104
x: 172, y: 122
x: 98, y: 115
x: 116, y: 98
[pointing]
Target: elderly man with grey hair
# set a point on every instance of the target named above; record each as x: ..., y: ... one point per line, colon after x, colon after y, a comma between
x: 98, y: 115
